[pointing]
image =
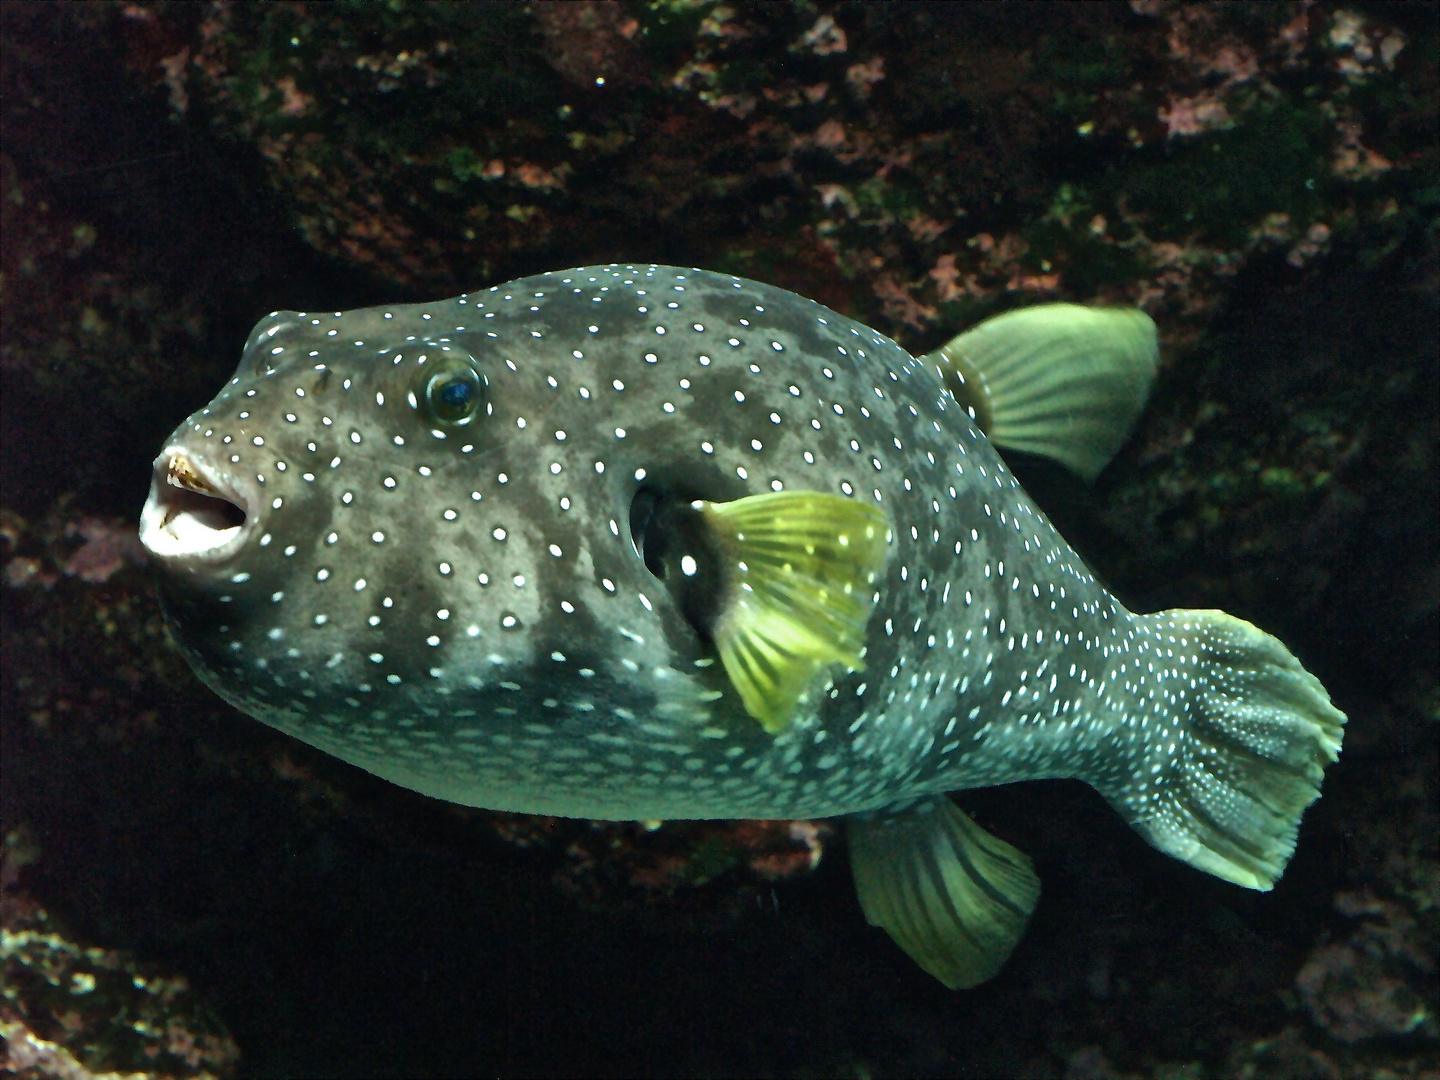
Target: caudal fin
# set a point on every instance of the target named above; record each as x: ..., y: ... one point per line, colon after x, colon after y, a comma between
x: 1243, y: 734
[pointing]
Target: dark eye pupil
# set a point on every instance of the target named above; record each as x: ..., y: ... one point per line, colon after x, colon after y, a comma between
x: 453, y: 394
x: 456, y: 394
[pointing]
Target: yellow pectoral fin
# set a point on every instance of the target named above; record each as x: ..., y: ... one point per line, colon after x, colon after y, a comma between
x: 802, y: 571
x: 771, y: 659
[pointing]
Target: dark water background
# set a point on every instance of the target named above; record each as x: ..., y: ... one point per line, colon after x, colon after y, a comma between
x: 333, y: 925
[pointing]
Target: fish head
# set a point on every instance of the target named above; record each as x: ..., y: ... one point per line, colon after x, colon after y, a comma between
x: 292, y: 515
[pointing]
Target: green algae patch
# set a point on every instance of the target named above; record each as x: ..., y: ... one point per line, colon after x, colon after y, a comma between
x: 1220, y: 184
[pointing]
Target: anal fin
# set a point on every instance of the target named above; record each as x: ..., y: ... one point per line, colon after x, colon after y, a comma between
x: 951, y: 895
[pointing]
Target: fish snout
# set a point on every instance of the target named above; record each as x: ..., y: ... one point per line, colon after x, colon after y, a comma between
x: 194, y: 515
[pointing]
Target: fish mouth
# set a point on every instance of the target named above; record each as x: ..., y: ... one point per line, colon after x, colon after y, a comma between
x: 193, y: 516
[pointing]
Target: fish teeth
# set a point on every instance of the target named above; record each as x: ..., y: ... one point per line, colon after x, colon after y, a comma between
x: 181, y: 473
x: 198, y: 520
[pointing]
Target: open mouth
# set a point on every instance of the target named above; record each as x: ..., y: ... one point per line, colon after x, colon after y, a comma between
x: 191, y: 514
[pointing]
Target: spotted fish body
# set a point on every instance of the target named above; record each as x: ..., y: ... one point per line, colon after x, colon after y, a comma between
x: 462, y: 604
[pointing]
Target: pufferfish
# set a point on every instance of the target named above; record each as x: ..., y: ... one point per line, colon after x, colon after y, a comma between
x: 639, y: 542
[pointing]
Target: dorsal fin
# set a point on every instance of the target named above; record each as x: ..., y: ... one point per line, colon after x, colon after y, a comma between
x: 1061, y: 380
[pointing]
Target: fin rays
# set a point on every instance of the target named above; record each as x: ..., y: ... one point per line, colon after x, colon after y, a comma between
x: 1060, y: 380
x: 1256, y: 738
x: 951, y: 895
x: 800, y: 578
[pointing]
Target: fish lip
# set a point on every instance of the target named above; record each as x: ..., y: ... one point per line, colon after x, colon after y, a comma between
x: 185, y: 522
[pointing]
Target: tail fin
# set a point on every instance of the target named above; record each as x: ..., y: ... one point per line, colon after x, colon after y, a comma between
x: 1251, y: 732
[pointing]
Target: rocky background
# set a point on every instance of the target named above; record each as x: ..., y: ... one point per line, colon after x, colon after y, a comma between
x: 188, y: 893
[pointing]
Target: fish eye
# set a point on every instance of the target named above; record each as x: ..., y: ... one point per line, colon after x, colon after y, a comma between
x: 453, y: 394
